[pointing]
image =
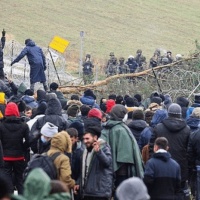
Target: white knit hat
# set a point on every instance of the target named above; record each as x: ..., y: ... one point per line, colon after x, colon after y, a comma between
x: 49, y: 130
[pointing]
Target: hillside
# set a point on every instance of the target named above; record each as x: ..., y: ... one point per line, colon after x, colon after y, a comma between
x: 112, y: 25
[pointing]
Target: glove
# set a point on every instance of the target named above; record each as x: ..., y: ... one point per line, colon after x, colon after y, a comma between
x: 3, y: 33
x: 12, y: 63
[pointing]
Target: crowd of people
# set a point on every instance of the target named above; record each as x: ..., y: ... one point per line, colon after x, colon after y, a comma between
x: 123, y: 147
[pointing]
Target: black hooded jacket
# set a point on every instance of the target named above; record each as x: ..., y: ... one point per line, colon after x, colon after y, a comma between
x: 53, y: 115
x: 177, y: 133
x: 136, y: 127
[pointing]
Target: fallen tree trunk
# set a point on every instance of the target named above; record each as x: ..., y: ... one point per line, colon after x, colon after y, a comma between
x: 77, y: 89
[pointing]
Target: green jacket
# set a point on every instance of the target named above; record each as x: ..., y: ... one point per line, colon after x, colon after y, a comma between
x: 37, y: 187
x: 124, y: 147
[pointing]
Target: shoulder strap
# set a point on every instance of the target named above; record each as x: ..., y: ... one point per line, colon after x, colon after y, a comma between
x: 54, y: 156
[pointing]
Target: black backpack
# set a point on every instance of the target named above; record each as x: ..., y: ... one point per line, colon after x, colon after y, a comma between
x: 44, y: 162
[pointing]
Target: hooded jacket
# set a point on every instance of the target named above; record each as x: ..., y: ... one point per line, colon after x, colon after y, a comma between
x: 136, y: 127
x: 193, y: 123
x: 61, y: 142
x: 13, y: 134
x: 124, y: 147
x: 53, y: 115
x: 177, y: 133
x: 30, y: 101
x: 38, y: 186
x: 162, y: 177
x: 36, y: 60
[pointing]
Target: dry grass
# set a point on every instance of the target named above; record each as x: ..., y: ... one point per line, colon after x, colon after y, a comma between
x: 113, y: 25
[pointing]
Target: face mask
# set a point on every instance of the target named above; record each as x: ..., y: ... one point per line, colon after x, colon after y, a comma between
x: 43, y: 139
x: 125, y: 118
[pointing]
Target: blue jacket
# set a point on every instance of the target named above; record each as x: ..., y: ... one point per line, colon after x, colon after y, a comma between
x: 30, y: 101
x: 145, y: 137
x: 36, y: 60
x: 162, y: 177
x: 193, y: 123
x: 190, y: 109
x: 88, y: 100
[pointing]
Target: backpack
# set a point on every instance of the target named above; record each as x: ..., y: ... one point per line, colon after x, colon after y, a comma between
x: 44, y: 162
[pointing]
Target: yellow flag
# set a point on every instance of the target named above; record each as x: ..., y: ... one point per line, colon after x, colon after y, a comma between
x: 59, y: 44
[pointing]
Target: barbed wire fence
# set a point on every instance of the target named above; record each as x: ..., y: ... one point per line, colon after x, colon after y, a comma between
x: 19, y: 72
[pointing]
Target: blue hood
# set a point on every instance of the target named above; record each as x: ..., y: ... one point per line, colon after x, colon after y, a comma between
x: 158, y: 117
x: 193, y: 122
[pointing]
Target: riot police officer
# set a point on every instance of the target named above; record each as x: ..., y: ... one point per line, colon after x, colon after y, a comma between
x: 87, y: 70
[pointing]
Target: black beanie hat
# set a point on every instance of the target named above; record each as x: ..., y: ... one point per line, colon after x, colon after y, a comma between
x: 157, y: 100
x: 90, y: 93
x: 79, y: 127
x: 53, y: 86
x: 93, y: 126
x: 130, y: 102
x: 138, y: 97
x: 29, y: 92
x: 138, y: 114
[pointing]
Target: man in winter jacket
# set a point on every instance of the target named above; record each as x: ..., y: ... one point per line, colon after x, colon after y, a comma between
x: 61, y: 142
x: 77, y: 151
x: 175, y: 129
x: 162, y: 174
x: 14, y: 136
x: 127, y: 161
x: 53, y: 115
x: 37, y: 63
x: 95, y: 181
x: 137, y: 125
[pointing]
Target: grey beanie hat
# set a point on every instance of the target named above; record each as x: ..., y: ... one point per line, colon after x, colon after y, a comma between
x: 174, y: 110
x: 118, y: 112
x: 49, y: 130
x: 132, y: 188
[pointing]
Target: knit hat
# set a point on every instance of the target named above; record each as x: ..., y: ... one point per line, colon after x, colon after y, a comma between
x: 12, y: 110
x: 27, y: 41
x: 49, y: 130
x: 53, y: 86
x: 196, y: 112
x: 29, y: 92
x: 138, y: 97
x: 41, y: 95
x: 182, y: 101
x: 84, y: 110
x: 167, y: 101
x: 130, y: 102
x: 174, y: 110
x: 197, y: 98
x: 132, y: 188
x: 94, y: 112
x: 73, y: 110
x: 79, y: 127
x: 89, y: 93
x: 157, y: 100
x: 109, y: 104
x: 118, y: 112
x: 50, y: 96
x: 138, y: 114
x: 93, y: 126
